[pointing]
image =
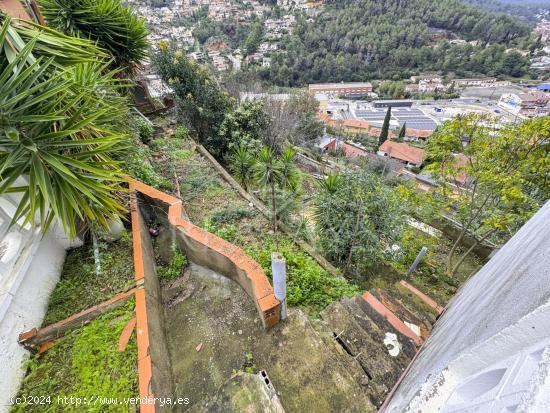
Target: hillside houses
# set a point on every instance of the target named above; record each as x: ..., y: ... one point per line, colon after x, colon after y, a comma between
x: 409, y: 155
x: 360, y: 126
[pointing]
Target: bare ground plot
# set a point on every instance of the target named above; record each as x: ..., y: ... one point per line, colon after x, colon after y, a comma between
x: 214, y: 332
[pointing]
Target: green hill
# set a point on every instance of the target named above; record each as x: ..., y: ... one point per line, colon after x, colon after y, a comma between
x: 393, y: 39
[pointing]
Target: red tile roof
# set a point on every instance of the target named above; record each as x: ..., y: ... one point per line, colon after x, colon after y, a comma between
x: 461, y: 161
x: 351, y: 151
x: 419, y: 133
x: 356, y: 123
x: 375, y: 132
x: 324, y: 117
x: 403, y: 152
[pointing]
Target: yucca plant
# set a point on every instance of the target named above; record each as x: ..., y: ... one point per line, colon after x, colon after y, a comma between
x: 56, y: 135
x: 242, y: 166
x: 62, y: 49
x: 114, y: 26
x: 272, y: 172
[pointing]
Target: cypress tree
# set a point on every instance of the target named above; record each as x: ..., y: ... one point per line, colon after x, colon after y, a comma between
x: 385, y: 128
x: 402, y: 132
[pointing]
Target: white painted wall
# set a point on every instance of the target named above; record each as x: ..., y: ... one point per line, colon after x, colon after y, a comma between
x: 490, y: 351
x: 30, y: 265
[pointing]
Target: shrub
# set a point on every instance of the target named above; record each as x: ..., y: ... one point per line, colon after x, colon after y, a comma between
x: 308, y: 284
x: 181, y: 133
x: 174, y: 269
x: 145, y: 130
x: 229, y: 233
x: 230, y: 214
x: 139, y: 167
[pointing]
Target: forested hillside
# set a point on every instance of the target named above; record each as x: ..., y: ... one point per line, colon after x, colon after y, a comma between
x: 391, y: 39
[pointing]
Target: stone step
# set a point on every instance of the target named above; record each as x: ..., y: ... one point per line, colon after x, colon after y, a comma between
x: 381, y: 314
x: 396, y: 306
x: 364, y: 339
x: 425, y: 300
x: 413, y: 303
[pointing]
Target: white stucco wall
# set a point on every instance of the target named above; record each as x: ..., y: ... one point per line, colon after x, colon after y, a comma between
x: 23, y: 302
x: 490, y: 351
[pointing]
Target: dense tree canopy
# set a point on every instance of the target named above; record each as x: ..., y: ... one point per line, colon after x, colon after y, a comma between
x: 507, y: 170
x: 391, y: 39
x: 358, y: 219
x: 525, y: 9
x: 202, y: 105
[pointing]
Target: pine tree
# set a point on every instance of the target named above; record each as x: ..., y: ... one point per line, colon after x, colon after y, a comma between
x: 385, y: 128
x: 402, y: 132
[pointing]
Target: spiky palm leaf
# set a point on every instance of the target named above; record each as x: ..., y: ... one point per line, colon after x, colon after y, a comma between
x: 64, y: 50
x: 54, y: 134
x: 267, y: 168
x: 114, y: 26
x: 242, y: 165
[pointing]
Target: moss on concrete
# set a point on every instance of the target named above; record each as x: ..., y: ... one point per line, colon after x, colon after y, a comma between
x: 211, y: 313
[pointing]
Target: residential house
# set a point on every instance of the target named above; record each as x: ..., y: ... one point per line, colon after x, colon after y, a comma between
x: 417, y: 134
x: 197, y: 56
x: 412, y: 88
x: 480, y: 82
x: 407, y: 154
x: 350, y: 149
x: 356, y: 125
x: 430, y: 86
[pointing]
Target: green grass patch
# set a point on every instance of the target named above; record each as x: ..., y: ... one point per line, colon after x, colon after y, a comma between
x: 138, y: 165
x: 80, y: 287
x: 200, y: 182
x: 85, y: 363
x: 182, y: 154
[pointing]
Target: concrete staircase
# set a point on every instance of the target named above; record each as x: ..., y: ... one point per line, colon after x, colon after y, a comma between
x: 382, y: 331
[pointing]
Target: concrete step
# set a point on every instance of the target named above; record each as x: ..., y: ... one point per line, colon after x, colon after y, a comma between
x: 421, y: 299
x: 364, y: 336
x: 411, y: 317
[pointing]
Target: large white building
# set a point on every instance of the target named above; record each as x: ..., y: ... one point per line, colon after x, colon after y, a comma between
x: 525, y: 104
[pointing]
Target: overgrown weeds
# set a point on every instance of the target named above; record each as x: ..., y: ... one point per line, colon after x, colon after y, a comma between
x: 80, y: 287
x: 84, y: 363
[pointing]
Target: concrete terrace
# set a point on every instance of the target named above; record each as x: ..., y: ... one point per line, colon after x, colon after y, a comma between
x: 214, y: 331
